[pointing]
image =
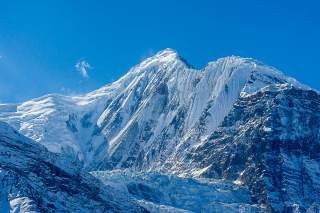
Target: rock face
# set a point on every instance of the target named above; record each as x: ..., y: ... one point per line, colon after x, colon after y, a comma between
x: 236, y: 119
x: 270, y: 142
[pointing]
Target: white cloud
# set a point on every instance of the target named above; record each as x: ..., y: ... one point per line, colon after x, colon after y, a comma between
x: 83, y: 67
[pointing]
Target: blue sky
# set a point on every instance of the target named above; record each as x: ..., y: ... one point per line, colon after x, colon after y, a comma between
x: 42, y: 41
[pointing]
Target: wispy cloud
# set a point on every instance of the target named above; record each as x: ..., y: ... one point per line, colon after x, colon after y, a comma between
x: 83, y: 67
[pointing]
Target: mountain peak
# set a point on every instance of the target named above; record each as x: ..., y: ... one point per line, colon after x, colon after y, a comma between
x: 167, y: 51
x: 166, y: 55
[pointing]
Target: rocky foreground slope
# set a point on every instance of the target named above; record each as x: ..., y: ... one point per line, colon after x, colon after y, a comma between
x: 236, y: 121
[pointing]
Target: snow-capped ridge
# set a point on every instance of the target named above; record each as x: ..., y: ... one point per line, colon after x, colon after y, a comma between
x: 168, y: 57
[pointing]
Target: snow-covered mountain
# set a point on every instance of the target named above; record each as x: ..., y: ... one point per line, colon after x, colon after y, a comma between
x: 236, y: 120
x: 150, y: 99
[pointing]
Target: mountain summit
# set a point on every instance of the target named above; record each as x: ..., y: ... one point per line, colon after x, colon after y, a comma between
x: 236, y: 120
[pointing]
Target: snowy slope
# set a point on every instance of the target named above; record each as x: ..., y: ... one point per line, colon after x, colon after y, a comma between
x: 35, y: 180
x: 73, y: 119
